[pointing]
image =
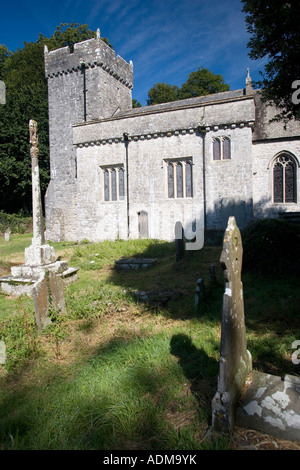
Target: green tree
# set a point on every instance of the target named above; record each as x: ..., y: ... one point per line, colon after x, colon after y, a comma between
x: 162, y: 93
x: 4, y: 53
x: 136, y: 104
x: 202, y: 82
x: 275, y: 36
x: 26, y: 98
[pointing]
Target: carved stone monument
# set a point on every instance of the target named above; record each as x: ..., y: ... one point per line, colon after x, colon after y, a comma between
x: 38, y: 253
x: 39, y: 256
x: 48, y: 293
x: 235, y: 360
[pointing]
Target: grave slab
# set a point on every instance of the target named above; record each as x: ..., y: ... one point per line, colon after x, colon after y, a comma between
x: 271, y: 404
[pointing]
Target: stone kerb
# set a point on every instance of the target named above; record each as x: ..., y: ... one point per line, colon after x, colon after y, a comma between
x: 235, y: 360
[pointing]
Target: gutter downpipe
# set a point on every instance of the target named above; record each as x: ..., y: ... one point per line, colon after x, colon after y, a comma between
x: 203, y: 134
x: 126, y: 139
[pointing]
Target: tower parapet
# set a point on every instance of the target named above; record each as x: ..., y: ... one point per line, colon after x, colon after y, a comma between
x: 90, y: 53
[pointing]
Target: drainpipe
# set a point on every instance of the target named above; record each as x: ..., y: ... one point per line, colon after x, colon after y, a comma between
x: 84, y: 90
x: 126, y: 139
x: 203, y: 134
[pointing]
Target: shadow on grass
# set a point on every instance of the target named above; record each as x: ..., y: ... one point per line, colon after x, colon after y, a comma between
x: 200, y: 369
x: 119, y: 398
x: 171, y: 284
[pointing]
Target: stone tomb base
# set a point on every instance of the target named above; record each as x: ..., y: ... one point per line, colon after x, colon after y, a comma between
x: 23, y: 277
x: 271, y: 404
x: 135, y: 263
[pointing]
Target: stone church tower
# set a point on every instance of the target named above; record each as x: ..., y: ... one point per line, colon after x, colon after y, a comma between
x: 85, y: 84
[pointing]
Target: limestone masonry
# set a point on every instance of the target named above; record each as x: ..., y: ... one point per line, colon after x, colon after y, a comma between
x: 130, y: 173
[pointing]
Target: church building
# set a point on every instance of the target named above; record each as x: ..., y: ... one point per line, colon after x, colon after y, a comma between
x: 119, y: 172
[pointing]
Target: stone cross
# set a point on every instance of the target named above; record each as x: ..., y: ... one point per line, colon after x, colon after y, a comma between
x: 38, y: 253
x: 235, y: 360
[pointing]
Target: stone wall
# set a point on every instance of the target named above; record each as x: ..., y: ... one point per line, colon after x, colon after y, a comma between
x: 156, y: 135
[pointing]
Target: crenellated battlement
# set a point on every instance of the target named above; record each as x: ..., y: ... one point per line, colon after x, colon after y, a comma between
x: 90, y: 54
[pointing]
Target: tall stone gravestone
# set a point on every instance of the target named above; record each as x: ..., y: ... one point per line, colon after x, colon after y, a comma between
x: 48, y: 293
x: 235, y: 360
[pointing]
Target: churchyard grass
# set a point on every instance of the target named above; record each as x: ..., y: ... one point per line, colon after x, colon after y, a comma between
x: 115, y: 372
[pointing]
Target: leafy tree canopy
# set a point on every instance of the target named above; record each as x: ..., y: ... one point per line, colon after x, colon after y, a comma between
x: 162, y: 93
x: 201, y: 82
x: 136, y: 104
x: 275, y: 36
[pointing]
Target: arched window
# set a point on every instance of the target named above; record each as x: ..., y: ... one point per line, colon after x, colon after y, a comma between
x: 226, y: 149
x: 216, y: 149
x: 179, y: 179
x: 221, y: 148
x: 284, y: 179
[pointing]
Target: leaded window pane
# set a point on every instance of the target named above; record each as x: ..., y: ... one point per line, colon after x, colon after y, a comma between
x: 170, y: 180
x: 289, y: 182
x: 113, y: 185
x: 278, y: 182
x: 216, y: 149
x: 226, y: 149
x: 189, y: 180
x: 106, y: 185
x: 179, y: 179
x: 121, y: 184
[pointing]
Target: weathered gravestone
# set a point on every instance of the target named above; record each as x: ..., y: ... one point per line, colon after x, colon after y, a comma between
x: 48, y: 294
x: 199, y: 294
x: 235, y: 360
x: 7, y: 234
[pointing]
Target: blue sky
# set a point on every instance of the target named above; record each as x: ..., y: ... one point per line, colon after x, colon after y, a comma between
x: 165, y: 39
